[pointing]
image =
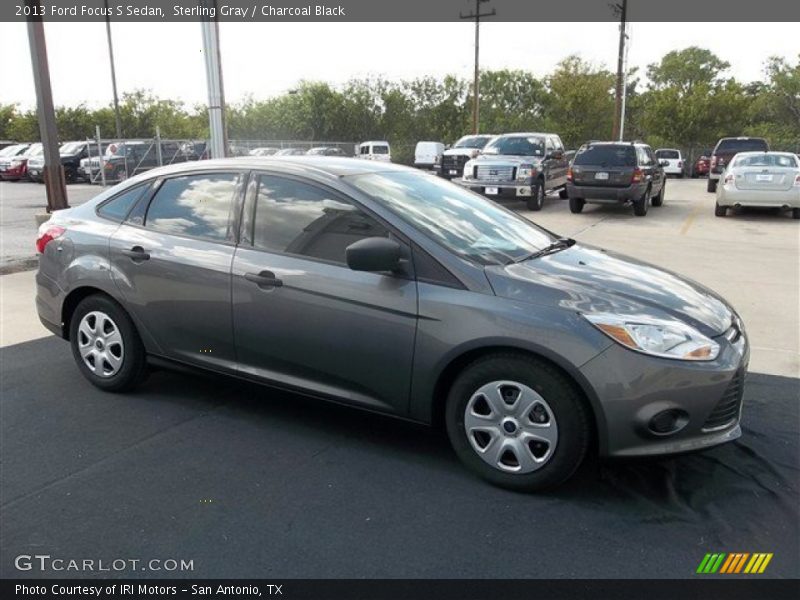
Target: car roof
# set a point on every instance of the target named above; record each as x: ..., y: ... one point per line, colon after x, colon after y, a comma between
x: 763, y: 152
x: 522, y: 133
x: 375, y: 142
x: 327, y: 165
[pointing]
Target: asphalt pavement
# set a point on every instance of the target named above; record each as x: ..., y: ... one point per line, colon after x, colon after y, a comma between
x: 248, y: 482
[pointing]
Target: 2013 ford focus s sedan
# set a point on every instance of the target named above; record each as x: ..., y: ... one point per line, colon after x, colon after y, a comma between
x: 392, y: 290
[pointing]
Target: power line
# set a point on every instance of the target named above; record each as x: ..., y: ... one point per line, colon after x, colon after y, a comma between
x: 477, y: 15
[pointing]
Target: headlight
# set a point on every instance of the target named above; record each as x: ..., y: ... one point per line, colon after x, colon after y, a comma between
x: 657, y: 337
x: 525, y: 172
x: 468, y: 169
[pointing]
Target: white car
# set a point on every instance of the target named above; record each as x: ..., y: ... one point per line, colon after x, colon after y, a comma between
x: 375, y: 151
x: 428, y: 155
x: 763, y: 179
x: 673, y: 161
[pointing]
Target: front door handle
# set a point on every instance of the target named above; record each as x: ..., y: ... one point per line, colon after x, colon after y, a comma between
x: 137, y: 254
x: 264, y: 279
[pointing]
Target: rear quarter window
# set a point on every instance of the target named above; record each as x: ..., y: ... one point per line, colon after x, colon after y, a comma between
x: 118, y: 207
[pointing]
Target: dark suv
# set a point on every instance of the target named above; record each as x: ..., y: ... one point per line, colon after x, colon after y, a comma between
x: 725, y: 150
x: 616, y: 172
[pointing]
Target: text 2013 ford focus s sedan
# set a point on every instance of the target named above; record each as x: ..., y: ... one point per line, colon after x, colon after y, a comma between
x: 388, y: 289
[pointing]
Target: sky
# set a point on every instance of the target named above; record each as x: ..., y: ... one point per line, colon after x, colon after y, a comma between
x: 268, y: 59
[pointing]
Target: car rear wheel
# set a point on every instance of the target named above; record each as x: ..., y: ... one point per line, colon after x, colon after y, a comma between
x: 796, y: 213
x: 720, y: 211
x: 106, y: 345
x: 517, y: 422
x: 659, y: 200
x: 711, y: 186
x: 536, y: 201
x: 641, y: 205
x: 576, y: 205
x: 562, y: 193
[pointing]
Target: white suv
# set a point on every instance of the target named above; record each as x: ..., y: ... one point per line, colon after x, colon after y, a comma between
x: 673, y: 164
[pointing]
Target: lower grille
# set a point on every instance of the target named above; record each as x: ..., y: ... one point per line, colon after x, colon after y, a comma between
x: 727, y: 410
x: 494, y: 173
x: 455, y: 163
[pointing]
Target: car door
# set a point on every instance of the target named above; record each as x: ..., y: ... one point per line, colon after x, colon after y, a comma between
x: 656, y: 170
x: 558, y: 166
x: 301, y: 316
x: 171, y: 261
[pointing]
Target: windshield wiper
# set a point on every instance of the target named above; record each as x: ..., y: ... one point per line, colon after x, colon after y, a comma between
x: 559, y: 244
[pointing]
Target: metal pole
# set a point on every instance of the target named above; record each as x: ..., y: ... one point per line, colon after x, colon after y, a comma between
x: 624, y: 91
x: 158, y: 147
x: 476, y: 82
x: 623, y: 8
x: 117, y: 119
x: 101, y: 155
x: 55, y: 186
x: 216, y: 99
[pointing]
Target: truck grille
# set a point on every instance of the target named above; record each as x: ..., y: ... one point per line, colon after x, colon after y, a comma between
x: 494, y: 173
x: 454, y: 162
x: 727, y: 410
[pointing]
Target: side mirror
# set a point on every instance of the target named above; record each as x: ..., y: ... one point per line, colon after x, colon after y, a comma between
x: 373, y: 254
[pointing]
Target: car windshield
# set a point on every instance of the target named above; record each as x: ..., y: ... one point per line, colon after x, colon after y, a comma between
x: 35, y: 150
x: 606, y: 155
x: 12, y: 150
x: 463, y: 222
x: 732, y: 146
x: 766, y: 160
x: 666, y: 154
x: 516, y: 145
x: 70, y: 148
x: 472, y: 142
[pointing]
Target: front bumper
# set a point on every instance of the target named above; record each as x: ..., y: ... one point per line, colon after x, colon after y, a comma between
x: 606, y: 193
x: 633, y: 388
x: 498, y: 189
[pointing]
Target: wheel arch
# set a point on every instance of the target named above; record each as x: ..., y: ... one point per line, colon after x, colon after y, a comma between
x: 459, y: 362
x: 71, y: 302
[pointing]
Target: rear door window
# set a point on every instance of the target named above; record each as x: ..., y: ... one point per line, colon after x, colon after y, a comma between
x: 607, y: 156
x: 194, y: 205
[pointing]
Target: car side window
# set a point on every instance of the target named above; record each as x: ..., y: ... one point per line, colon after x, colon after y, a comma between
x: 118, y: 207
x: 293, y: 217
x: 194, y: 205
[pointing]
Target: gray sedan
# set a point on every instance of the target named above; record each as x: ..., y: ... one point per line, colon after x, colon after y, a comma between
x: 760, y: 179
x: 384, y: 288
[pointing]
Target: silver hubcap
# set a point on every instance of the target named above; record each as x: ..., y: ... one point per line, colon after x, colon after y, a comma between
x: 100, y: 344
x: 511, y: 427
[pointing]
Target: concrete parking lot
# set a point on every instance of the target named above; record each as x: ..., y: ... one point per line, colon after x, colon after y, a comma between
x: 249, y: 482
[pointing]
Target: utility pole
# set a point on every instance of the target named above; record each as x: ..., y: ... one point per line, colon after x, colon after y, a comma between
x: 117, y: 119
x: 55, y: 186
x: 218, y: 145
x: 622, y: 10
x: 477, y: 15
x: 624, y: 90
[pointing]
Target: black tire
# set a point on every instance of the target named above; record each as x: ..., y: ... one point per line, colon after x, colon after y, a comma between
x: 796, y: 213
x: 562, y: 193
x: 120, y: 175
x: 720, y: 211
x: 641, y: 205
x: 711, y: 185
x: 132, y: 369
x: 576, y: 205
x: 564, y: 401
x: 659, y: 200
x: 536, y: 201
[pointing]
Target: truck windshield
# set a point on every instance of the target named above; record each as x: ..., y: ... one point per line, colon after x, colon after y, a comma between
x: 465, y: 223
x: 516, y: 145
x: 70, y: 148
x: 472, y: 142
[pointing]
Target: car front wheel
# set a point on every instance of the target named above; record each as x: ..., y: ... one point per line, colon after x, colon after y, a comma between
x: 106, y: 345
x: 536, y: 201
x: 711, y: 185
x: 518, y: 422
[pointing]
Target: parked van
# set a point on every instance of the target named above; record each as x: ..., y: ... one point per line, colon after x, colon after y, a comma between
x: 428, y: 155
x: 375, y: 151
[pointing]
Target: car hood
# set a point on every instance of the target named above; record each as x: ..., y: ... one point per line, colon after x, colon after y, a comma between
x: 459, y: 152
x: 507, y: 159
x: 588, y: 279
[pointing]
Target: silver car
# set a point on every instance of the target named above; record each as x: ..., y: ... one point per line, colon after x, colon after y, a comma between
x: 387, y: 289
x: 760, y: 179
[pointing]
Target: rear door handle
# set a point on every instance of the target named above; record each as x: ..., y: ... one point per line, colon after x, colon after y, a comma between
x: 264, y: 279
x: 137, y: 254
